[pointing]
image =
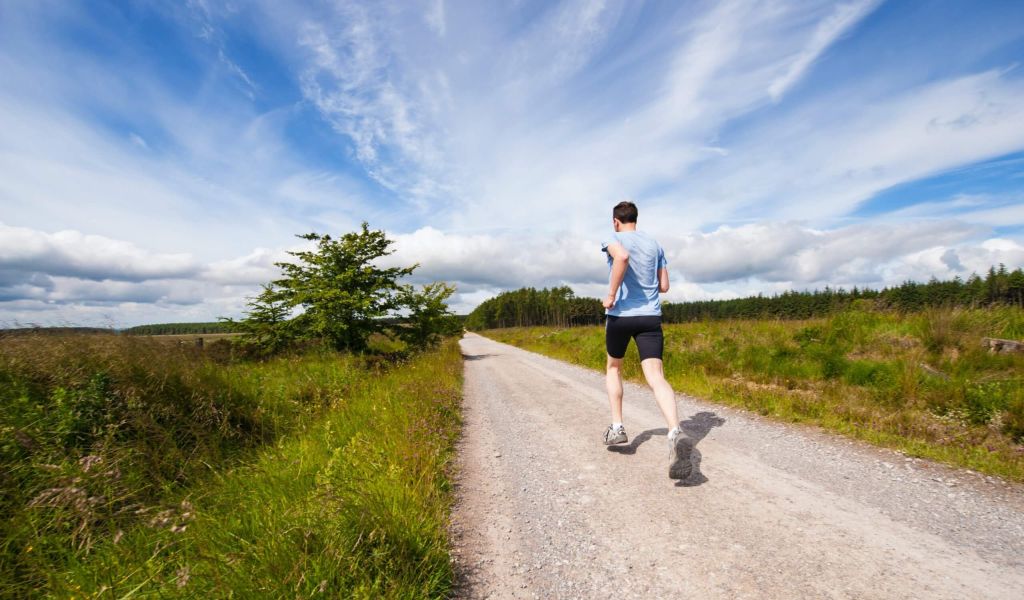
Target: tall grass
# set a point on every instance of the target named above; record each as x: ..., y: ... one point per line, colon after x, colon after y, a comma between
x: 921, y: 383
x: 137, y: 468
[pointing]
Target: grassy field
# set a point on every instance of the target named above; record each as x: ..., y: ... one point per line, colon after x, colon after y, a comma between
x: 134, y: 469
x: 921, y: 384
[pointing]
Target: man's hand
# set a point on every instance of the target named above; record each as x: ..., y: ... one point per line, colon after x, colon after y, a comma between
x: 609, y: 301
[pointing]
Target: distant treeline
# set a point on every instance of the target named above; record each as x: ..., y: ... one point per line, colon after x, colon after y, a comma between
x: 530, y: 306
x: 35, y: 330
x: 182, y: 328
x: 559, y: 307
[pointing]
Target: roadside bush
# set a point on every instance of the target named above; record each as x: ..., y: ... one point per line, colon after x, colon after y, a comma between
x: 833, y: 363
x: 984, y: 401
x: 869, y: 373
x: 850, y: 328
x: 805, y: 336
x: 938, y: 329
x: 1013, y: 419
x: 352, y: 504
x: 94, y: 430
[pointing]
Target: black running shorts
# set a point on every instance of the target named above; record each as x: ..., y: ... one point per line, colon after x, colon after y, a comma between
x: 646, y: 330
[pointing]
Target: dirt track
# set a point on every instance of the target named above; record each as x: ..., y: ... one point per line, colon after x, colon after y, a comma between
x: 545, y: 510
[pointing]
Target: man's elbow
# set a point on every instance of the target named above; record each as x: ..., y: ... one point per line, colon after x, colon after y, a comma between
x: 663, y: 288
x: 622, y: 258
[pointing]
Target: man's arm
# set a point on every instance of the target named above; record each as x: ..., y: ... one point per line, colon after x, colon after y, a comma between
x: 663, y: 280
x: 620, y: 260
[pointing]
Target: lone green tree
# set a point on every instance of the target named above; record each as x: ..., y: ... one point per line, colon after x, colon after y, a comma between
x: 267, y: 326
x: 428, y: 317
x: 343, y: 297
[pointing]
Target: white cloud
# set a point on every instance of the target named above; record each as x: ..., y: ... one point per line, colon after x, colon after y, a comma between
x: 49, y: 278
x: 501, y: 140
x: 845, y: 16
x: 71, y: 253
x: 352, y: 79
x: 499, y: 261
x: 254, y: 268
x: 555, y: 119
x: 70, y: 290
x: 208, y: 183
x: 571, y: 34
x: 828, y: 158
x: 138, y: 140
x: 434, y: 17
x: 798, y: 255
x: 728, y: 262
x: 544, y: 157
x: 993, y: 210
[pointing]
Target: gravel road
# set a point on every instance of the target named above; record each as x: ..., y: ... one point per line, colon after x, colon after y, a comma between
x: 545, y: 510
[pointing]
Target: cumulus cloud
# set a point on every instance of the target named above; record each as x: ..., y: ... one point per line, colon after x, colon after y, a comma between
x: 74, y: 254
x: 49, y: 273
x: 507, y: 260
x: 791, y: 252
x: 727, y: 262
x: 68, y: 290
x: 254, y: 268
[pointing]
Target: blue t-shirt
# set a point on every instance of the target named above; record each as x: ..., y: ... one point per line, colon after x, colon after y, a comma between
x: 638, y: 294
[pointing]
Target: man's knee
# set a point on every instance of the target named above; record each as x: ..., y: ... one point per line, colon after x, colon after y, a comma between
x: 653, y: 369
x: 613, y: 364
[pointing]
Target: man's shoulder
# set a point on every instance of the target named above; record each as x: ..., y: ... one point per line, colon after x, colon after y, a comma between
x: 630, y: 239
x: 646, y: 239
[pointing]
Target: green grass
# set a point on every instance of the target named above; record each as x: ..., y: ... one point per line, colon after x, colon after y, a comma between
x: 135, y: 470
x: 921, y: 384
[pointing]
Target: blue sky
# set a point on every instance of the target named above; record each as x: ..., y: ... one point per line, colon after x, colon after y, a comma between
x: 156, y: 158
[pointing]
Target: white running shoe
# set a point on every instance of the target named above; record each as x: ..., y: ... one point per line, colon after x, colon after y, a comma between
x: 615, y: 435
x: 680, y: 449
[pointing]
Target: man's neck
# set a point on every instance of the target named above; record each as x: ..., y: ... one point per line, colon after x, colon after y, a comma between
x: 627, y: 227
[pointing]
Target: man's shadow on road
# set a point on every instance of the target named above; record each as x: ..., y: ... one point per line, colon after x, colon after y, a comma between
x: 695, y: 428
x: 475, y: 356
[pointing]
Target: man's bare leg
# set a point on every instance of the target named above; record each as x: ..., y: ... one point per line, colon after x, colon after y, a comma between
x: 654, y: 373
x: 680, y: 445
x: 613, y: 382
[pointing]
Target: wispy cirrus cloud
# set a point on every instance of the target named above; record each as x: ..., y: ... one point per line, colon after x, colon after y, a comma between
x: 859, y: 146
x: 843, y: 18
x: 352, y: 81
x: 589, y: 102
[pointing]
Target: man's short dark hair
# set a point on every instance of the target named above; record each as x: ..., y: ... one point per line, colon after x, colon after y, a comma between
x: 625, y: 212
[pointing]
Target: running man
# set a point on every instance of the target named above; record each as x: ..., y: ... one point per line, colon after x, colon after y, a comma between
x: 639, y: 272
